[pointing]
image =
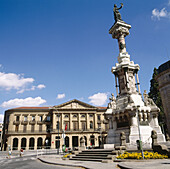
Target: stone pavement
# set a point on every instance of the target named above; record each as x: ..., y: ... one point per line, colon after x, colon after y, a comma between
x: 146, y: 164
x: 54, y: 159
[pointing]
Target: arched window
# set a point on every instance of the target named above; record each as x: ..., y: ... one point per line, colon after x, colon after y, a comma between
x: 83, y: 115
x: 23, y: 143
x: 15, y: 144
x: 31, y: 143
x: 66, y: 116
x: 39, y: 143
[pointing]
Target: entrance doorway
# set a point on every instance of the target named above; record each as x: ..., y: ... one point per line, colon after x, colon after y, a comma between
x: 74, y: 141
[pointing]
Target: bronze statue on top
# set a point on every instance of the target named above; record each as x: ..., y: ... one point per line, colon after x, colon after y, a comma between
x: 117, y: 15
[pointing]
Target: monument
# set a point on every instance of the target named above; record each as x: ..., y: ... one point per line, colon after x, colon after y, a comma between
x: 129, y: 112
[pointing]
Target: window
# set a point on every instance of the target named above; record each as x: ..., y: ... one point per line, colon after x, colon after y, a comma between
x: 66, y: 116
x: 98, y: 117
x: 24, y: 128
x: 32, y: 128
x: 48, y: 128
x: 33, y: 118
x: 75, y: 125
x: 40, y: 127
x: 83, y: 125
x: 58, y: 125
x: 25, y: 118
x: 17, y: 118
x: 7, y: 119
x: 16, y: 128
x: 75, y: 116
x: 57, y: 115
x: 48, y: 118
x: 41, y: 118
x: 83, y: 115
x: 91, y: 115
x: 91, y: 125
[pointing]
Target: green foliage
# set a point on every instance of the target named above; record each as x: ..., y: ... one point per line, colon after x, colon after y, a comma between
x: 155, y: 95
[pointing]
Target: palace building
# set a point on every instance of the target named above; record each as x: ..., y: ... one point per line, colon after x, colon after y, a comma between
x: 32, y: 128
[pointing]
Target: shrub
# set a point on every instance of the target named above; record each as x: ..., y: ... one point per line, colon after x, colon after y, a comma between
x: 147, y: 155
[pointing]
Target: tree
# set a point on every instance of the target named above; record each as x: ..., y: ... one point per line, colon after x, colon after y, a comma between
x: 154, y: 94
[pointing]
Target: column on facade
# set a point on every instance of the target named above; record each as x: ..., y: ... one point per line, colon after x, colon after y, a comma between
x: 43, y: 141
x: 36, y: 125
x: 19, y: 143
x: 95, y: 121
x: 79, y: 121
x: 27, y: 143
x: 35, y: 143
x: 137, y: 78
x: 71, y: 123
x: 28, y: 125
x: 43, y: 125
x: 62, y: 121
x: 11, y: 120
x: 70, y: 141
x: 87, y: 121
x: 54, y: 120
x: 88, y: 140
x: 116, y: 85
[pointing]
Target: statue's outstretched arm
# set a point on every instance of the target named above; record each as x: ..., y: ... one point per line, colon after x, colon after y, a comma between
x: 121, y: 6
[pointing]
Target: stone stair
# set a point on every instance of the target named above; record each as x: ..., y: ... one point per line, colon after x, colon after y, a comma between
x: 97, y: 155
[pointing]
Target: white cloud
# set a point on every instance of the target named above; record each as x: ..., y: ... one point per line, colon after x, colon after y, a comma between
x: 10, y: 81
x: 61, y: 96
x: 163, y: 13
x: 169, y: 3
x: 29, y: 101
x: 1, y: 118
x: 98, y: 99
x: 41, y: 86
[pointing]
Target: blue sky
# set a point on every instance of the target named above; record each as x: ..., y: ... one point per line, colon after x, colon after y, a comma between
x: 52, y: 51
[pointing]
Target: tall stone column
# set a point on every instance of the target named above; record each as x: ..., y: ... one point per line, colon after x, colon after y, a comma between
x: 79, y: 122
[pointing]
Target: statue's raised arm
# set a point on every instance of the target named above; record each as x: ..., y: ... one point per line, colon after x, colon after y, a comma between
x: 117, y: 15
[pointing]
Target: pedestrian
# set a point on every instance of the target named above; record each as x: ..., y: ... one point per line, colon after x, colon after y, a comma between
x: 21, y: 152
x: 9, y: 153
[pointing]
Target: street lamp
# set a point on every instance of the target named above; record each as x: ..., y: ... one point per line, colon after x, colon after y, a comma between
x: 140, y: 141
x: 57, y: 127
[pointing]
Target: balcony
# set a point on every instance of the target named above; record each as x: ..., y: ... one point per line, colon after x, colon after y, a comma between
x: 32, y: 122
x: 27, y: 132
x: 16, y: 122
x: 40, y: 122
x: 24, y: 122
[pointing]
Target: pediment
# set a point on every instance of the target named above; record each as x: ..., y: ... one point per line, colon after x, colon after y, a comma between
x: 75, y: 104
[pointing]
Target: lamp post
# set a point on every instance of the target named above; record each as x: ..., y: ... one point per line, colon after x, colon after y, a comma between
x: 57, y: 127
x: 140, y: 141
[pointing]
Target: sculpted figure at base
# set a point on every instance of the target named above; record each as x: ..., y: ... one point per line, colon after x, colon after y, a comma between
x: 112, y: 104
x: 148, y: 101
x: 117, y: 15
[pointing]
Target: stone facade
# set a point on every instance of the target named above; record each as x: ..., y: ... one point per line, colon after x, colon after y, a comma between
x: 163, y: 79
x: 42, y: 127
